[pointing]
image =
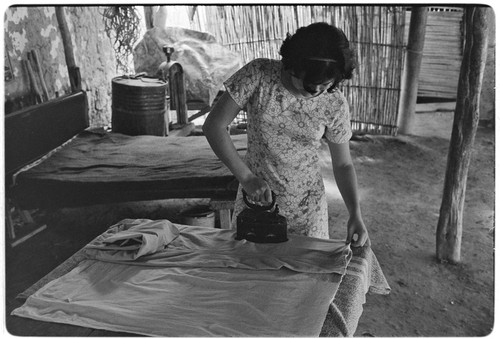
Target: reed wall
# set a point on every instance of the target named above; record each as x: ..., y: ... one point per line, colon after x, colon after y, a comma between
x: 442, y: 54
x: 376, y: 34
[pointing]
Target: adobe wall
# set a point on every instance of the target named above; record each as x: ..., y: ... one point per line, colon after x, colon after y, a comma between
x: 36, y: 28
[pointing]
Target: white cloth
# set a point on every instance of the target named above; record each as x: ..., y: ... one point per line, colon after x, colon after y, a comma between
x: 180, y: 301
x: 147, y: 237
x: 209, y: 247
x: 208, y: 297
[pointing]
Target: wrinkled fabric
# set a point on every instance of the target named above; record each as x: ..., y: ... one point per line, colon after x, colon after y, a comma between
x: 208, y: 247
x: 148, y: 237
x: 102, y: 157
x: 210, y: 285
x: 180, y: 301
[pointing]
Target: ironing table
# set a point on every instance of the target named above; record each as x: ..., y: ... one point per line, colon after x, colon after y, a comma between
x: 362, y: 276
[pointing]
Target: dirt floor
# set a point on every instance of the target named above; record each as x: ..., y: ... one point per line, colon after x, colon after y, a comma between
x: 401, y: 181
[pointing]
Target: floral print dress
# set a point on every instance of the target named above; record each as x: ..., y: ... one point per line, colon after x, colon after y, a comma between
x: 284, y: 135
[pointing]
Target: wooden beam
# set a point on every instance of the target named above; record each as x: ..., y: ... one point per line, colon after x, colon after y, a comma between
x: 148, y: 17
x: 73, y: 71
x: 413, y: 61
x: 177, y: 90
x: 466, y: 119
x: 34, y: 131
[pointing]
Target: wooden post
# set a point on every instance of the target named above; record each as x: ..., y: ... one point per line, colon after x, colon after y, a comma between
x: 73, y: 71
x: 35, y: 58
x: 177, y: 87
x: 466, y: 119
x: 148, y: 16
x: 413, y: 60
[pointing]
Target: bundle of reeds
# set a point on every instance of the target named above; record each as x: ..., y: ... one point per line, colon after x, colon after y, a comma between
x: 442, y: 54
x: 376, y: 34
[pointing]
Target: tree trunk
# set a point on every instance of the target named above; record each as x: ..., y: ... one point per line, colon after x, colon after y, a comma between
x: 411, y: 72
x: 466, y: 119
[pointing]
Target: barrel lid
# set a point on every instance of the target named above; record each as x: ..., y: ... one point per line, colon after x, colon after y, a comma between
x: 139, y: 81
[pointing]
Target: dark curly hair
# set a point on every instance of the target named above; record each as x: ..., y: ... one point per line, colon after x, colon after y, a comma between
x: 319, y: 51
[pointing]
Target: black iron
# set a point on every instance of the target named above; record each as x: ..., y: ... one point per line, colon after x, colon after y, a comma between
x: 261, y: 224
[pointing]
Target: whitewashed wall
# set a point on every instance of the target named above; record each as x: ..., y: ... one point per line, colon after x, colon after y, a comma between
x: 36, y: 28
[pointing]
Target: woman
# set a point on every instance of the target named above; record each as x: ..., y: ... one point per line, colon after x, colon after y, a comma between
x: 291, y: 105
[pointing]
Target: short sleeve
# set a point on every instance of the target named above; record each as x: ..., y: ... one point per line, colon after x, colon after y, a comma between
x: 242, y: 84
x: 338, y: 130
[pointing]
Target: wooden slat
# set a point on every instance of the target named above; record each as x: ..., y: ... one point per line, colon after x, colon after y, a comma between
x: 29, y: 136
x: 442, y: 53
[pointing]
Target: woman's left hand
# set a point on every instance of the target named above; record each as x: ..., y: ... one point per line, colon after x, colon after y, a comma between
x: 356, y: 226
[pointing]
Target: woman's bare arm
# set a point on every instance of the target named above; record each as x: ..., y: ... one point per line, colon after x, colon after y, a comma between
x: 215, y: 130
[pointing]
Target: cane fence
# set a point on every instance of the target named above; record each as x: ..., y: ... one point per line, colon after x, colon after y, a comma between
x: 376, y: 34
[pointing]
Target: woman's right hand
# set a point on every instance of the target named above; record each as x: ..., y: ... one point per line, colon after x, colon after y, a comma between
x: 257, y: 190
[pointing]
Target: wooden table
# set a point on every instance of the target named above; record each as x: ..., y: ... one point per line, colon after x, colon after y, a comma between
x: 102, y: 167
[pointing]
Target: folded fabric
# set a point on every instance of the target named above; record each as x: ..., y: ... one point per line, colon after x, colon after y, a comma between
x: 208, y: 247
x: 140, y: 239
x: 364, y: 275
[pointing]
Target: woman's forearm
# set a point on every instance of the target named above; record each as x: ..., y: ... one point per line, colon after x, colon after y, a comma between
x: 345, y: 176
x: 347, y: 182
x: 222, y: 145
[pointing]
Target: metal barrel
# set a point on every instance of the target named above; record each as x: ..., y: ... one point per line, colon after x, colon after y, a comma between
x: 139, y: 106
